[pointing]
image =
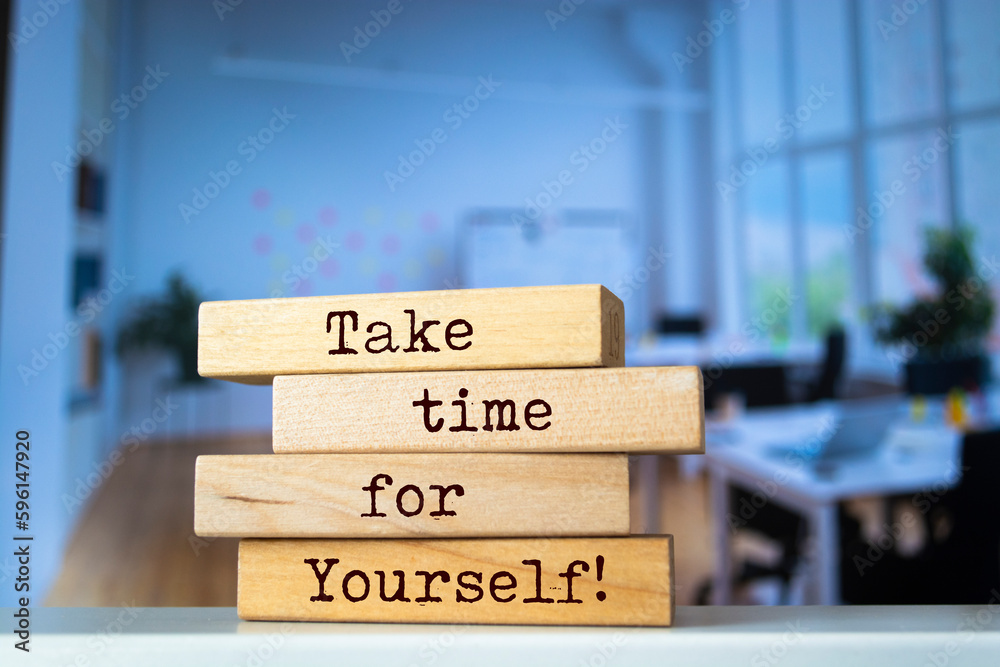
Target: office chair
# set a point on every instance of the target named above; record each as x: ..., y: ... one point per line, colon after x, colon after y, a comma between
x: 785, y: 528
x: 667, y: 325
x: 827, y: 384
x: 930, y: 378
x: 957, y: 565
x: 762, y: 385
x: 966, y: 564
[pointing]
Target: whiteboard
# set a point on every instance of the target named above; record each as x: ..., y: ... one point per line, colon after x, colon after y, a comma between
x: 575, y: 247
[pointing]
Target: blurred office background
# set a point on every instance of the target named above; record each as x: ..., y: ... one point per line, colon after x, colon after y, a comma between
x: 760, y: 182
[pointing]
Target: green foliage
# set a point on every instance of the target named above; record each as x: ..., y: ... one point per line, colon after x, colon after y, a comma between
x: 827, y: 288
x: 957, y: 319
x: 765, y: 291
x: 168, y: 322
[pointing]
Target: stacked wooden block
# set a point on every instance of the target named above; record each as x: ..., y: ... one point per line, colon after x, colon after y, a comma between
x: 486, y: 484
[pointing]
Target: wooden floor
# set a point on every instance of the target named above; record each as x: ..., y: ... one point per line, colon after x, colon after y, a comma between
x: 135, y: 543
x: 684, y: 513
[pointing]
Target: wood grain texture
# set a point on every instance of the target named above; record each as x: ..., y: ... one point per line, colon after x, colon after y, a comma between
x: 648, y: 410
x: 635, y: 588
x: 522, y: 327
x: 502, y: 495
x: 134, y: 540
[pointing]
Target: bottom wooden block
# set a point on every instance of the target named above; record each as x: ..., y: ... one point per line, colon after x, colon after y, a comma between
x: 539, y: 581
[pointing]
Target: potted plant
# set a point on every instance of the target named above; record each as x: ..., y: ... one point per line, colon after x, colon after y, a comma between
x: 168, y: 322
x: 942, y: 336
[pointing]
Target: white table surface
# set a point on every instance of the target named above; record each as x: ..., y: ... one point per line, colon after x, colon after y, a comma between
x: 789, y: 636
x: 683, y: 350
x: 913, y: 457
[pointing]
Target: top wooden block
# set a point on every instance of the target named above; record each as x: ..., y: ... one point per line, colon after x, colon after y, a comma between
x: 568, y: 326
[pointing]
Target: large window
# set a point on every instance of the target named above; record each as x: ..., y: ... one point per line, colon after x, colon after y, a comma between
x: 825, y: 179
x: 911, y: 192
x: 769, y: 243
x: 856, y: 124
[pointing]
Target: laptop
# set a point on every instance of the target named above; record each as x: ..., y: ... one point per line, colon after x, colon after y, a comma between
x: 862, y: 427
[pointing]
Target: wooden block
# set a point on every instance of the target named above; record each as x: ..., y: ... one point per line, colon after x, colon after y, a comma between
x: 553, y: 410
x: 558, y: 581
x: 524, y: 327
x: 413, y: 495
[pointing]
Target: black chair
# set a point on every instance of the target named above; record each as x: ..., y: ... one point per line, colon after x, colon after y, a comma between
x: 966, y: 564
x: 960, y: 560
x: 785, y: 528
x: 931, y: 377
x: 762, y: 385
x: 827, y: 384
x: 667, y: 325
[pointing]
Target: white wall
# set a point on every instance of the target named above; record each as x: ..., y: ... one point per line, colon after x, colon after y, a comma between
x: 324, y: 174
x: 334, y: 153
x: 34, y: 303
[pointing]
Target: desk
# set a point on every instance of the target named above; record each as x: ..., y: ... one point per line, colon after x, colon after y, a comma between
x: 912, y: 458
x: 791, y: 636
x: 708, y: 352
x: 720, y: 350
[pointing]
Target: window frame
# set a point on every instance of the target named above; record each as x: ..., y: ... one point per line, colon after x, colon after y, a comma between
x: 857, y: 142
